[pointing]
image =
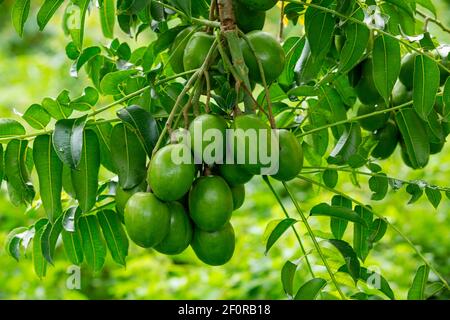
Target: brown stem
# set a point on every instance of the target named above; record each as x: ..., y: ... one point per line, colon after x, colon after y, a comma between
x: 280, y: 35
x: 212, y: 14
x: 226, y: 14
x: 208, y: 91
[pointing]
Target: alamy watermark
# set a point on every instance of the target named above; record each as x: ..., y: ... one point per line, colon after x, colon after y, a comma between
x: 258, y: 147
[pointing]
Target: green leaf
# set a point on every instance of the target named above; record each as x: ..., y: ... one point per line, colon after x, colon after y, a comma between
x: 287, y: 277
x: 415, y: 191
x: 386, y: 64
x: 49, y: 238
x: 128, y: 156
x: 446, y: 99
x: 68, y: 140
x: 303, y: 91
x: 49, y: 169
x: 67, y: 181
x: 361, y: 233
x: 20, y: 188
x: 330, y: 178
x: 417, y: 289
x: 69, y: 218
x: 57, y: 110
x: 379, y: 186
x: 37, y: 117
x: 278, y: 231
x: 433, y: 288
x: 88, y: 99
x: 87, y: 55
x: 377, y: 230
x: 426, y: 85
x: 324, y: 209
x: 20, y: 12
x: 434, y: 196
x: 338, y: 225
x: 115, y: 236
x: 73, y: 246
x: 85, y: 177
x: 13, y: 241
x: 2, y: 169
x: 427, y: 4
x: 144, y: 126
x: 347, y: 145
x: 183, y: 5
x: 311, y: 289
x: 331, y: 102
x: 10, y: 128
x: 76, y: 21
x: 317, y: 118
x: 39, y: 262
x: 357, y: 37
x: 104, y: 131
x: 319, y: 28
x: 351, y: 260
x: 94, y: 248
x: 110, y: 82
x: 108, y: 17
x: 47, y: 11
x: 415, y: 137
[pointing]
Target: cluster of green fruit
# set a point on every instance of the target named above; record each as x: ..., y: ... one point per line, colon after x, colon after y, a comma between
x: 192, y: 204
x: 385, y: 126
x: 251, y: 14
x: 190, y: 49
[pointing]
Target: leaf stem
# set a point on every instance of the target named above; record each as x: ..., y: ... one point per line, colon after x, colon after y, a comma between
x: 434, y: 20
x: 398, y: 231
x: 204, y: 22
x: 266, y: 179
x: 315, y: 242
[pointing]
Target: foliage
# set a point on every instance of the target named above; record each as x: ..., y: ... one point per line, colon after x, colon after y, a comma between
x: 315, y: 97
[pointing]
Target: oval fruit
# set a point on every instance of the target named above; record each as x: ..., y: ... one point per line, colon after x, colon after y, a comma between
x: 210, y: 203
x: 214, y: 248
x: 122, y: 197
x: 180, y: 231
x: 269, y: 52
x: 406, y: 75
x: 387, y: 138
x: 207, y: 132
x: 400, y: 94
x: 177, y: 49
x: 259, y: 4
x: 366, y: 91
x: 247, y: 19
x: 252, y: 137
x: 147, y: 219
x: 238, y: 192
x: 234, y: 174
x: 290, y: 156
x: 197, y: 50
x: 375, y: 122
x: 171, y: 172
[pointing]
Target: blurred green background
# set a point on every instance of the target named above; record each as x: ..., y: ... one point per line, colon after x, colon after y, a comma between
x: 36, y: 67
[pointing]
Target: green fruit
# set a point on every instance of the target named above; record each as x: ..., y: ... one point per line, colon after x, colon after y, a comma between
x: 354, y: 75
x: 269, y: 52
x: 290, y: 156
x: 445, y: 60
x: 407, y: 70
x: 263, y: 5
x: 122, y: 197
x: 234, y: 174
x: 208, y: 131
x: 197, y: 50
x: 247, y: 19
x: 168, y: 179
x: 147, y: 219
x: 400, y: 94
x: 238, y: 192
x: 177, y: 49
x: 249, y: 142
x: 180, y: 231
x: 436, y: 147
x: 375, y: 122
x: 387, y: 138
x: 366, y: 91
x: 214, y: 248
x: 210, y: 203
